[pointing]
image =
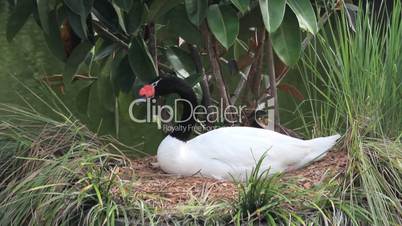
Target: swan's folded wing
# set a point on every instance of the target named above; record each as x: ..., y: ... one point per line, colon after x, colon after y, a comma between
x: 243, y: 148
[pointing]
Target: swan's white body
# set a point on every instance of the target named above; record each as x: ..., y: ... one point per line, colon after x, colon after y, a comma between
x: 232, y: 152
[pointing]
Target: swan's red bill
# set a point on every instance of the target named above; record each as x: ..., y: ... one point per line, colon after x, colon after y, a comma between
x: 147, y: 91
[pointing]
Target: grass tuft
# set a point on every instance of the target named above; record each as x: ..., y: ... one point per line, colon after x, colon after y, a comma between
x: 354, y: 81
x: 262, y: 199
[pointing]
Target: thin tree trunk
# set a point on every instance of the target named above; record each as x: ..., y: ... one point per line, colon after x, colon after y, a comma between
x: 244, y: 76
x: 272, y: 85
x: 216, y: 70
x: 259, y: 65
x: 152, y: 44
x: 206, y: 95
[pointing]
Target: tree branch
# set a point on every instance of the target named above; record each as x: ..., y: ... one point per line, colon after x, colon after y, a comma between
x: 152, y: 43
x: 101, y: 30
x: 206, y: 95
x: 259, y: 64
x: 211, y: 48
x: 268, y: 94
x: 272, y: 81
x: 241, y: 84
x: 105, y: 33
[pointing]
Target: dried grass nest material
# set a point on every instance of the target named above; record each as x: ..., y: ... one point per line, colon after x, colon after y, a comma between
x: 167, y: 191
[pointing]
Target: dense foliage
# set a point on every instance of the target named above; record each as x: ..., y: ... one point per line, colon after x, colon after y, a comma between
x: 229, y: 50
x: 56, y: 171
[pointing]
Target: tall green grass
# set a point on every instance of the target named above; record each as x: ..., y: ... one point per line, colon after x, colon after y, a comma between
x: 275, y: 200
x: 54, y: 171
x: 57, y: 173
x: 261, y: 198
x: 354, y: 82
x: 357, y: 75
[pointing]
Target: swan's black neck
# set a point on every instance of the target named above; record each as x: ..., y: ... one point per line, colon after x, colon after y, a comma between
x: 174, y: 85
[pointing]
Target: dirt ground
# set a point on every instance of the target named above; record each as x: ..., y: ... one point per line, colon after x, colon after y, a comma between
x: 166, y: 191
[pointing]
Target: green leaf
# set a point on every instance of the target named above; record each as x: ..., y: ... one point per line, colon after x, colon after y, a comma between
x: 159, y: 8
x: 77, y: 24
x: 124, y: 4
x: 286, y: 41
x: 121, y: 75
x: 272, y: 12
x: 134, y: 18
x: 76, y: 58
x: 223, y: 23
x: 18, y: 17
x: 120, y: 16
x: 53, y: 39
x: 305, y: 14
x: 193, y: 79
x: 239, y: 49
x: 43, y: 10
x: 105, y: 86
x: 104, y: 50
x: 79, y: 7
x: 141, y: 61
x: 179, y: 25
x: 105, y: 12
x: 82, y: 99
x: 196, y: 10
x: 241, y: 5
x: 181, y: 61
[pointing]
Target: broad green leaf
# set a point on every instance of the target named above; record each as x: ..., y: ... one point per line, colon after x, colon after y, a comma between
x: 81, y: 8
x: 181, y: 61
x: 18, y: 17
x: 43, y: 10
x: 193, y: 79
x: 178, y: 25
x: 134, y: 132
x: 121, y: 75
x: 159, y: 8
x: 223, y: 23
x: 105, y: 86
x: 105, y: 50
x: 77, y: 6
x: 53, y: 39
x: 76, y: 58
x: 272, y: 12
x: 286, y: 41
x: 239, y: 49
x: 152, y: 139
x: 124, y: 4
x: 77, y: 25
x: 82, y: 99
x: 305, y: 14
x: 120, y: 16
x: 196, y: 10
x: 141, y: 61
x: 104, y: 11
x: 241, y: 5
x: 134, y: 18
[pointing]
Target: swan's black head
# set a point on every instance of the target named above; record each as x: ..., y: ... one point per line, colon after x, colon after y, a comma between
x: 168, y: 85
x: 173, y: 85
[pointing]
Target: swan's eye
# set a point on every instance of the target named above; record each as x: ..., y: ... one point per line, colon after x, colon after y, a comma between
x: 147, y: 91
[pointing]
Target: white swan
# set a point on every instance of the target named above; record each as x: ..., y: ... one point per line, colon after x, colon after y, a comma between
x: 228, y: 152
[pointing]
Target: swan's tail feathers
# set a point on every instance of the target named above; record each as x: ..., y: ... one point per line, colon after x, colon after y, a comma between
x: 320, y: 146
